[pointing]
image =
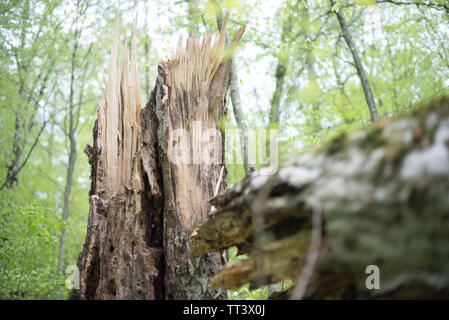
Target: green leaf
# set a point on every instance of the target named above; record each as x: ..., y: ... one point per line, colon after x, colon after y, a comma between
x: 336, y: 7
x: 366, y: 2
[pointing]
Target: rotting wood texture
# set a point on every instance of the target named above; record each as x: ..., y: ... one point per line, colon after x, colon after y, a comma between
x: 145, y: 202
x: 382, y: 196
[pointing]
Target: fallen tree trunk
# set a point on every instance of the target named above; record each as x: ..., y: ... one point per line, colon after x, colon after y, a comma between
x: 147, y: 194
x: 375, y: 198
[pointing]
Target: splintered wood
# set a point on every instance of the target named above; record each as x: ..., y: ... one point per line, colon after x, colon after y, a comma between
x: 144, y: 204
x: 188, y: 103
x: 197, y: 80
x: 122, y: 256
x: 194, y: 66
x: 119, y: 118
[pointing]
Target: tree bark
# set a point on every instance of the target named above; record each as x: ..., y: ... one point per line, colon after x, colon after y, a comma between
x: 248, y: 160
x: 369, y: 97
x: 281, y: 71
x: 147, y: 44
x: 377, y: 196
x: 65, y: 213
x: 71, y: 160
x: 71, y: 134
x: 12, y: 178
x: 147, y: 195
x: 310, y: 66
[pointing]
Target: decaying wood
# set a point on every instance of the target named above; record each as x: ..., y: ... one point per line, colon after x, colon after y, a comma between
x: 122, y: 256
x: 144, y: 201
x: 193, y: 91
x: 382, y: 195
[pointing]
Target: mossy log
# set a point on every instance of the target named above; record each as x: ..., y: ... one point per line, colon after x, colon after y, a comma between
x: 382, y: 195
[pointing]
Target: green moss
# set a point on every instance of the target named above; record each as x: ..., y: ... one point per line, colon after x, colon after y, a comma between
x: 334, y: 146
x: 373, y: 138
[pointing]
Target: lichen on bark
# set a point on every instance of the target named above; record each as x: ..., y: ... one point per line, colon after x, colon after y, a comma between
x: 382, y: 194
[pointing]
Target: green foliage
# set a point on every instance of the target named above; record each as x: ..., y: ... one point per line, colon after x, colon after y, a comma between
x: 29, y: 234
x: 403, y: 48
x: 244, y: 292
x: 35, y: 74
x: 256, y: 294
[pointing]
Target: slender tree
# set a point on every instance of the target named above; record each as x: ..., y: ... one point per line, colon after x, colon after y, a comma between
x: 281, y: 71
x: 236, y: 100
x: 32, y: 82
x: 73, y: 116
x: 369, y: 97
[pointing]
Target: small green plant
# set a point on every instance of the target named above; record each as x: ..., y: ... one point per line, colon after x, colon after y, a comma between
x: 28, y: 239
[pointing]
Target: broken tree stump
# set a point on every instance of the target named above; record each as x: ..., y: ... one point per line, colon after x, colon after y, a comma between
x: 382, y: 198
x: 146, y: 195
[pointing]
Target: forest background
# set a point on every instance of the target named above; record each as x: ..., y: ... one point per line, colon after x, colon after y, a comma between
x: 295, y: 72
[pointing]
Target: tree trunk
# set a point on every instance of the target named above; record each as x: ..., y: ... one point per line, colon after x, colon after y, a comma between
x: 28, y: 85
x: 376, y: 197
x: 73, y: 117
x: 147, y: 44
x: 369, y: 97
x: 71, y: 163
x: 12, y: 179
x: 281, y: 72
x: 151, y: 183
x: 65, y: 213
x: 248, y: 160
